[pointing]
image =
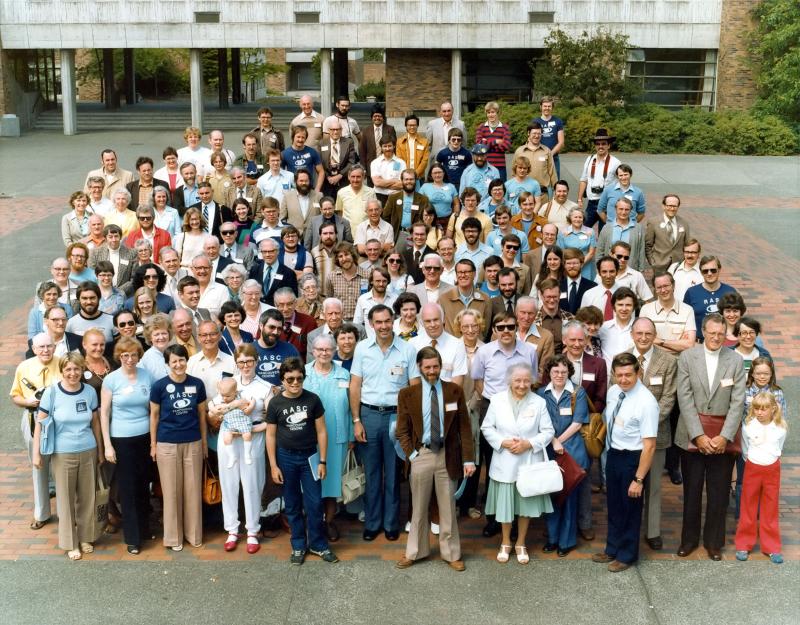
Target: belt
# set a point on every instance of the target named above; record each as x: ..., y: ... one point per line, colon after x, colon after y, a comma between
x: 259, y: 422
x: 380, y: 408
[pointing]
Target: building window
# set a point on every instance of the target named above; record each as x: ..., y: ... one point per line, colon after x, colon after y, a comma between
x: 675, y: 78
x: 306, y: 17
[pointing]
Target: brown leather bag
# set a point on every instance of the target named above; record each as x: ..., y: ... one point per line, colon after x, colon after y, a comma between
x: 712, y: 426
x: 212, y: 493
x: 594, y: 432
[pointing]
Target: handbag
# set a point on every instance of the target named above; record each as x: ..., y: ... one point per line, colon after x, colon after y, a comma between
x: 354, y: 479
x: 212, y: 493
x: 712, y: 426
x: 539, y: 478
x: 101, y: 496
x: 47, y: 435
x: 573, y: 474
x: 594, y: 432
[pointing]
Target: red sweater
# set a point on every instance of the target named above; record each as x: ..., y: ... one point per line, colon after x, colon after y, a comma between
x: 498, y: 142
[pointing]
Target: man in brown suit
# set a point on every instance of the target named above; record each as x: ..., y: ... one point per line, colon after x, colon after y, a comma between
x: 658, y: 370
x: 665, y: 238
x: 433, y: 428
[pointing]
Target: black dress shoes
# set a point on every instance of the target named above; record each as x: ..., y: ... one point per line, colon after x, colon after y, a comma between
x: 392, y: 535
x: 656, y: 544
x: 370, y: 534
x: 492, y: 528
x: 714, y: 554
x: 562, y: 552
x: 675, y: 476
x: 685, y: 550
x: 550, y: 547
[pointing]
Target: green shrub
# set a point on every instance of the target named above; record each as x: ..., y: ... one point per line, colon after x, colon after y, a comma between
x: 653, y: 129
x: 372, y: 88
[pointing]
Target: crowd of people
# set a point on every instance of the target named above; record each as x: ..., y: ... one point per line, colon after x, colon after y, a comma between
x: 258, y: 316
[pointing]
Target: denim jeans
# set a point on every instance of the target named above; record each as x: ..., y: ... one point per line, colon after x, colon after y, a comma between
x: 301, y: 492
x: 382, y: 496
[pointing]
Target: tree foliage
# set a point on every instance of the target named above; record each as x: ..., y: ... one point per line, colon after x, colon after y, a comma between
x: 776, y: 53
x: 159, y: 71
x: 587, y: 70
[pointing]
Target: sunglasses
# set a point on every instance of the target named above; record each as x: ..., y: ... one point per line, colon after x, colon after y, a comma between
x: 392, y: 260
x: 293, y: 379
x: 126, y: 324
x: 432, y: 268
x: 505, y: 327
x: 145, y: 218
x: 622, y: 256
x: 151, y: 276
x: 512, y: 247
x: 709, y: 271
x: 224, y: 232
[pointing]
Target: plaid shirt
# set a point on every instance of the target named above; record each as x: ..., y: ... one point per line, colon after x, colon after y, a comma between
x: 347, y: 289
x: 549, y: 323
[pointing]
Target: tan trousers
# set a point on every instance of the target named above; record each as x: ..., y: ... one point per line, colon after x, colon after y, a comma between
x: 652, y: 495
x: 428, y: 471
x: 180, y: 467
x: 76, y: 483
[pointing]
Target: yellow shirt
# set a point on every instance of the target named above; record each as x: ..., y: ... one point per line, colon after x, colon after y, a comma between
x: 125, y: 220
x: 353, y: 206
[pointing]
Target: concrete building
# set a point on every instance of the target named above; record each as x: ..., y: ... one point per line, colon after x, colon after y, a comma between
x: 687, y: 52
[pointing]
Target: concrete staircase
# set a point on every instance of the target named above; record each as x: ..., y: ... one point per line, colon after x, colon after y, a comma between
x: 93, y: 117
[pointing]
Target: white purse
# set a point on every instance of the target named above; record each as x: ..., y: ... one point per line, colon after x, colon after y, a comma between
x: 539, y: 478
x: 354, y: 480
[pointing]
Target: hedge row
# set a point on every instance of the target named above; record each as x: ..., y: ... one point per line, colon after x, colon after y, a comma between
x: 650, y: 128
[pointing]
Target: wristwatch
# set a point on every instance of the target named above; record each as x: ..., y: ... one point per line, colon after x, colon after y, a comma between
x: 638, y: 480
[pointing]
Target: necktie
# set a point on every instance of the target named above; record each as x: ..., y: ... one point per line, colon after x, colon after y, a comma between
x: 240, y: 193
x: 267, y: 278
x: 641, y: 367
x: 228, y: 252
x: 44, y: 377
x: 510, y: 307
x: 613, y: 418
x: 608, y: 312
x: 417, y: 256
x: 197, y: 318
x: 335, y: 153
x: 205, y: 216
x: 434, y: 342
x: 673, y: 235
x: 436, y: 427
x: 573, y: 296
x: 378, y: 135
x: 287, y: 326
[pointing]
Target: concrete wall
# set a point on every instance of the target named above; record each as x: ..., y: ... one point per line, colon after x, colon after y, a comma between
x: 348, y: 23
x: 735, y: 86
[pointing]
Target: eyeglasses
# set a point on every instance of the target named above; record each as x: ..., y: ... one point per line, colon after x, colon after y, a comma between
x: 432, y: 268
x: 392, y: 260
x: 246, y: 363
x: 77, y: 255
x: 151, y: 276
x: 505, y: 327
x: 144, y: 218
x: 202, y: 268
x: 692, y: 252
x: 60, y: 268
x: 467, y: 272
x: 512, y: 247
x: 671, y: 206
x: 58, y: 319
x: 710, y: 271
x: 293, y: 379
x: 126, y: 324
x: 128, y: 355
x: 747, y: 333
x: 622, y: 256
x: 455, y: 139
x: 208, y: 335
x: 224, y: 232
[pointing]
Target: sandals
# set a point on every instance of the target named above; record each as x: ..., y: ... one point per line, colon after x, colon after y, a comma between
x: 74, y: 555
x: 504, y: 554
x: 87, y: 548
x: 522, y: 554
x: 474, y: 513
x: 37, y: 525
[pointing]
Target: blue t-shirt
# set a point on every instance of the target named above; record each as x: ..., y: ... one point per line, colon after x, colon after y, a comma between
x: 550, y: 131
x: 179, y: 420
x: 441, y: 198
x: 307, y: 158
x: 130, y: 403
x: 454, y: 164
x: 270, y: 359
x: 72, y: 417
x: 513, y: 190
x: 704, y: 302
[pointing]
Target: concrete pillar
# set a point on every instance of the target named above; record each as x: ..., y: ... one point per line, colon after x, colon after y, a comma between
x: 222, y: 76
x: 130, y: 76
x: 196, y: 86
x: 340, y: 70
x: 455, y: 82
x: 236, y: 75
x: 69, y: 92
x: 111, y: 94
x: 326, y: 82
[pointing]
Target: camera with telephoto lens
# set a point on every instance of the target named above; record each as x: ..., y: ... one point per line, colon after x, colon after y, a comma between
x: 597, y: 190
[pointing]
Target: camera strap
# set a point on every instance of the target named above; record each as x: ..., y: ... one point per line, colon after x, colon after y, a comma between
x: 605, y: 167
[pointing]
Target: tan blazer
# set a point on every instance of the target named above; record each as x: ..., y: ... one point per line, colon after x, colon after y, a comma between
x: 659, y: 249
x: 251, y: 193
x: 290, y: 209
x: 452, y: 305
x: 661, y: 379
x: 457, y: 434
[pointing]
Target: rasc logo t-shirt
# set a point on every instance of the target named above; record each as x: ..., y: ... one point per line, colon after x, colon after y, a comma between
x: 295, y: 419
x: 179, y: 420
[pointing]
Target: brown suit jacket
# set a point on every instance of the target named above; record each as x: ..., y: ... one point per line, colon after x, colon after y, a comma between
x: 659, y: 249
x: 458, y: 446
x: 347, y: 156
x: 663, y: 370
x: 452, y: 305
x: 545, y: 347
x: 393, y: 212
x: 251, y: 193
x: 290, y: 209
x: 367, y: 150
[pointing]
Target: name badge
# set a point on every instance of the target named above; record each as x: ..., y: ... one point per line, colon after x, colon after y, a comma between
x: 122, y: 261
x: 317, y: 125
x: 272, y: 139
x: 316, y: 204
x: 127, y: 390
x: 451, y: 406
x: 414, y: 207
x: 542, y: 158
x: 681, y: 229
x: 344, y: 384
x: 748, y: 400
x: 725, y: 382
x: 399, y: 202
x: 259, y: 167
x: 397, y: 370
x: 190, y: 390
x: 583, y: 237
x: 448, y: 366
x: 565, y: 412
x: 589, y: 377
x: 662, y: 225
x: 538, y: 228
x: 323, y: 148
x: 279, y: 276
x: 296, y: 330
x: 619, y: 422
x: 656, y: 380
x: 564, y: 295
